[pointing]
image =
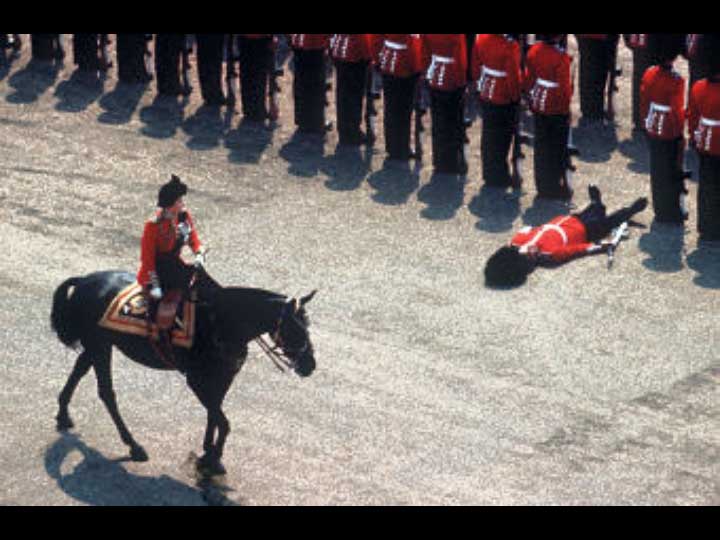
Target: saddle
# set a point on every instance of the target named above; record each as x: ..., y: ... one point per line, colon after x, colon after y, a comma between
x: 128, y: 314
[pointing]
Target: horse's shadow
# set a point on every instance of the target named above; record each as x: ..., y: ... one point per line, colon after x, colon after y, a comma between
x: 162, y: 118
x: 120, y: 104
x: 99, y: 481
x: 347, y: 167
x: 395, y: 182
x: 304, y: 154
x: 32, y: 81
x: 596, y: 141
x: 79, y: 91
x: 664, y: 246
x: 248, y: 142
x: 496, y: 208
x: 705, y: 260
x: 205, y: 128
x: 443, y: 195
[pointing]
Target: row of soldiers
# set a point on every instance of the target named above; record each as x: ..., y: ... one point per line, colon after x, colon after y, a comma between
x: 452, y: 76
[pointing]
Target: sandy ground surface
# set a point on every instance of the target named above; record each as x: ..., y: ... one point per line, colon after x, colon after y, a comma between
x: 587, y: 386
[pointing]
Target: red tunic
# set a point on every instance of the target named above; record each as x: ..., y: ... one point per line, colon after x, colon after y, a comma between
x: 560, y: 239
x: 662, y: 103
x: 159, y: 237
x: 547, y: 78
x: 704, y: 116
x: 310, y: 41
x: 446, y: 56
x: 400, y: 55
x: 496, y: 68
x: 354, y: 47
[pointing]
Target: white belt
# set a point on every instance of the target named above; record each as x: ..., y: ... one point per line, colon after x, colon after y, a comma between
x: 442, y: 59
x: 659, y: 108
x: 395, y: 46
x: 548, y: 227
x: 493, y: 72
x: 547, y: 84
x: 709, y: 122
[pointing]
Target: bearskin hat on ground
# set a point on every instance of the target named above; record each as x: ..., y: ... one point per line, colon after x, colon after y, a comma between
x: 507, y: 267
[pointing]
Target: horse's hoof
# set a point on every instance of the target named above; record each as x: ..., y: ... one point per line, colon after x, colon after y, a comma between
x: 208, y: 466
x: 137, y: 453
x: 64, y: 423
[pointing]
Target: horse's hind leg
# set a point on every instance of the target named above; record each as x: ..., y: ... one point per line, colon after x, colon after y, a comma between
x: 82, y: 365
x: 102, y: 359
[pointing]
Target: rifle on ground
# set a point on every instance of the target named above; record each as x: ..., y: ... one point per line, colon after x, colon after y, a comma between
x: 186, y: 50
x: 618, y: 234
x: 231, y: 75
x: 518, y: 138
x: 615, y: 72
x: 373, y: 91
x: 421, y: 106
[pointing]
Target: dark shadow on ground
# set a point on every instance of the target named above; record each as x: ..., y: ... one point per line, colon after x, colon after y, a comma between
x: 496, y: 207
x: 162, y: 118
x: 636, y: 150
x: 100, y: 481
x: 248, y: 142
x: 443, y: 195
x: 663, y: 244
x: 705, y: 261
x: 347, y: 167
x: 7, y: 58
x: 304, y: 154
x: 543, y: 210
x: 596, y: 141
x: 205, y: 128
x: 395, y: 182
x: 79, y: 91
x: 32, y: 81
x: 120, y: 104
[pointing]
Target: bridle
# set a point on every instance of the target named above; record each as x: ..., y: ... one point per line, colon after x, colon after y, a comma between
x: 282, y: 357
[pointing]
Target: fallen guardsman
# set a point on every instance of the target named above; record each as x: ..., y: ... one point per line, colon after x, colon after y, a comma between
x: 563, y: 238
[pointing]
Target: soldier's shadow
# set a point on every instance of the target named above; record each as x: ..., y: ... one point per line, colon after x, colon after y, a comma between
x: 205, y: 128
x: 32, y: 81
x: 664, y: 244
x: 496, y: 208
x: 596, y: 142
x: 347, y: 167
x: 304, y: 154
x: 395, y: 182
x: 705, y: 260
x: 162, y: 118
x: 120, y: 104
x: 248, y: 142
x: 543, y: 210
x: 443, y: 195
x: 99, y: 481
x: 78, y: 92
x: 636, y: 150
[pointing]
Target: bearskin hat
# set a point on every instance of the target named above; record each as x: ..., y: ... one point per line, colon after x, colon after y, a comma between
x: 666, y: 47
x: 169, y: 193
x: 549, y: 38
x: 507, y: 267
x: 710, y: 51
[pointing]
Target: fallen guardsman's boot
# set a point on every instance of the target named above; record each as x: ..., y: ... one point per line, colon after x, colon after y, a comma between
x: 561, y: 239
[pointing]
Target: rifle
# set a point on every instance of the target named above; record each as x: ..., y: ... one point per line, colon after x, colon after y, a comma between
x: 186, y: 50
x: 469, y: 112
x: 570, y: 149
x: 615, y: 72
x: 518, y: 138
x: 276, y: 72
x: 372, y: 93
x: 618, y: 234
x: 105, y: 61
x: 231, y: 75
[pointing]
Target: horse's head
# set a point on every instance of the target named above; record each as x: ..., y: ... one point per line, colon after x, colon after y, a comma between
x: 292, y: 335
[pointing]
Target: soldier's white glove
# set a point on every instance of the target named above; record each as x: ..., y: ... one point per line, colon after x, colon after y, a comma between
x: 156, y: 293
x: 199, y: 259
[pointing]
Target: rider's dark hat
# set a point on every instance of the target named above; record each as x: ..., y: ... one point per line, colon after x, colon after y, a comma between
x: 171, y: 192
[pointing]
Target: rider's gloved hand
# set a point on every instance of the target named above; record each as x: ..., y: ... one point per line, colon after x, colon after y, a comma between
x: 156, y: 293
x: 199, y: 259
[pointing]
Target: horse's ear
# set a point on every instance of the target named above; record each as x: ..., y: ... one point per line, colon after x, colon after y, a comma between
x: 291, y: 306
x: 305, y: 299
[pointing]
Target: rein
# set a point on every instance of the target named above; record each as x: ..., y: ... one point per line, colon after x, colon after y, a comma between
x: 280, y: 359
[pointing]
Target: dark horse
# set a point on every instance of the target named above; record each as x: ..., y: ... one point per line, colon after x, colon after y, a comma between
x: 227, y: 319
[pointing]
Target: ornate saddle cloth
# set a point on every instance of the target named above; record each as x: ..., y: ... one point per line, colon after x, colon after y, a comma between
x: 127, y: 313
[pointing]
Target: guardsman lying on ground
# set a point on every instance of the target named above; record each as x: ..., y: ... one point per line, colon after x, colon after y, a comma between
x: 562, y: 239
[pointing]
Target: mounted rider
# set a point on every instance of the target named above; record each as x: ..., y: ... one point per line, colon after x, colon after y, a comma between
x: 163, y: 274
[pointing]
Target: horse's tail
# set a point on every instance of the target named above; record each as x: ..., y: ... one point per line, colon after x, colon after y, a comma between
x: 61, y: 318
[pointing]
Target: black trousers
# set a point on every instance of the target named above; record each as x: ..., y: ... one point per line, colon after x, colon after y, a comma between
x: 596, y: 58
x: 666, y: 179
x: 551, y: 157
x: 709, y: 198
x: 598, y: 224
x: 447, y: 132
x: 398, y: 103
x: 131, y: 58
x: 642, y: 59
x: 86, y: 51
x: 168, y: 49
x: 350, y: 87
x: 309, y: 90
x: 210, y: 53
x: 498, y: 128
x: 44, y: 46
x: 256, y: 65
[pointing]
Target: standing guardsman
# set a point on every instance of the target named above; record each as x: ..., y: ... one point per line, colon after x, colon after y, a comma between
x: 257, y: 59
x: 548, y: 82
x: 496, y: 73
x: 662, y: 105
x: 168, y: 51
x: 704, y: 128
x: 698, y: 63
x: 90, y: 52
x: 597, y: 58
x: 401, y: 64
x: 210, y: 53
x: 642, y: 59
x: 46, y: 47
x: 309, y: 81
x: 446, y: 56
x: 132, y: 53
